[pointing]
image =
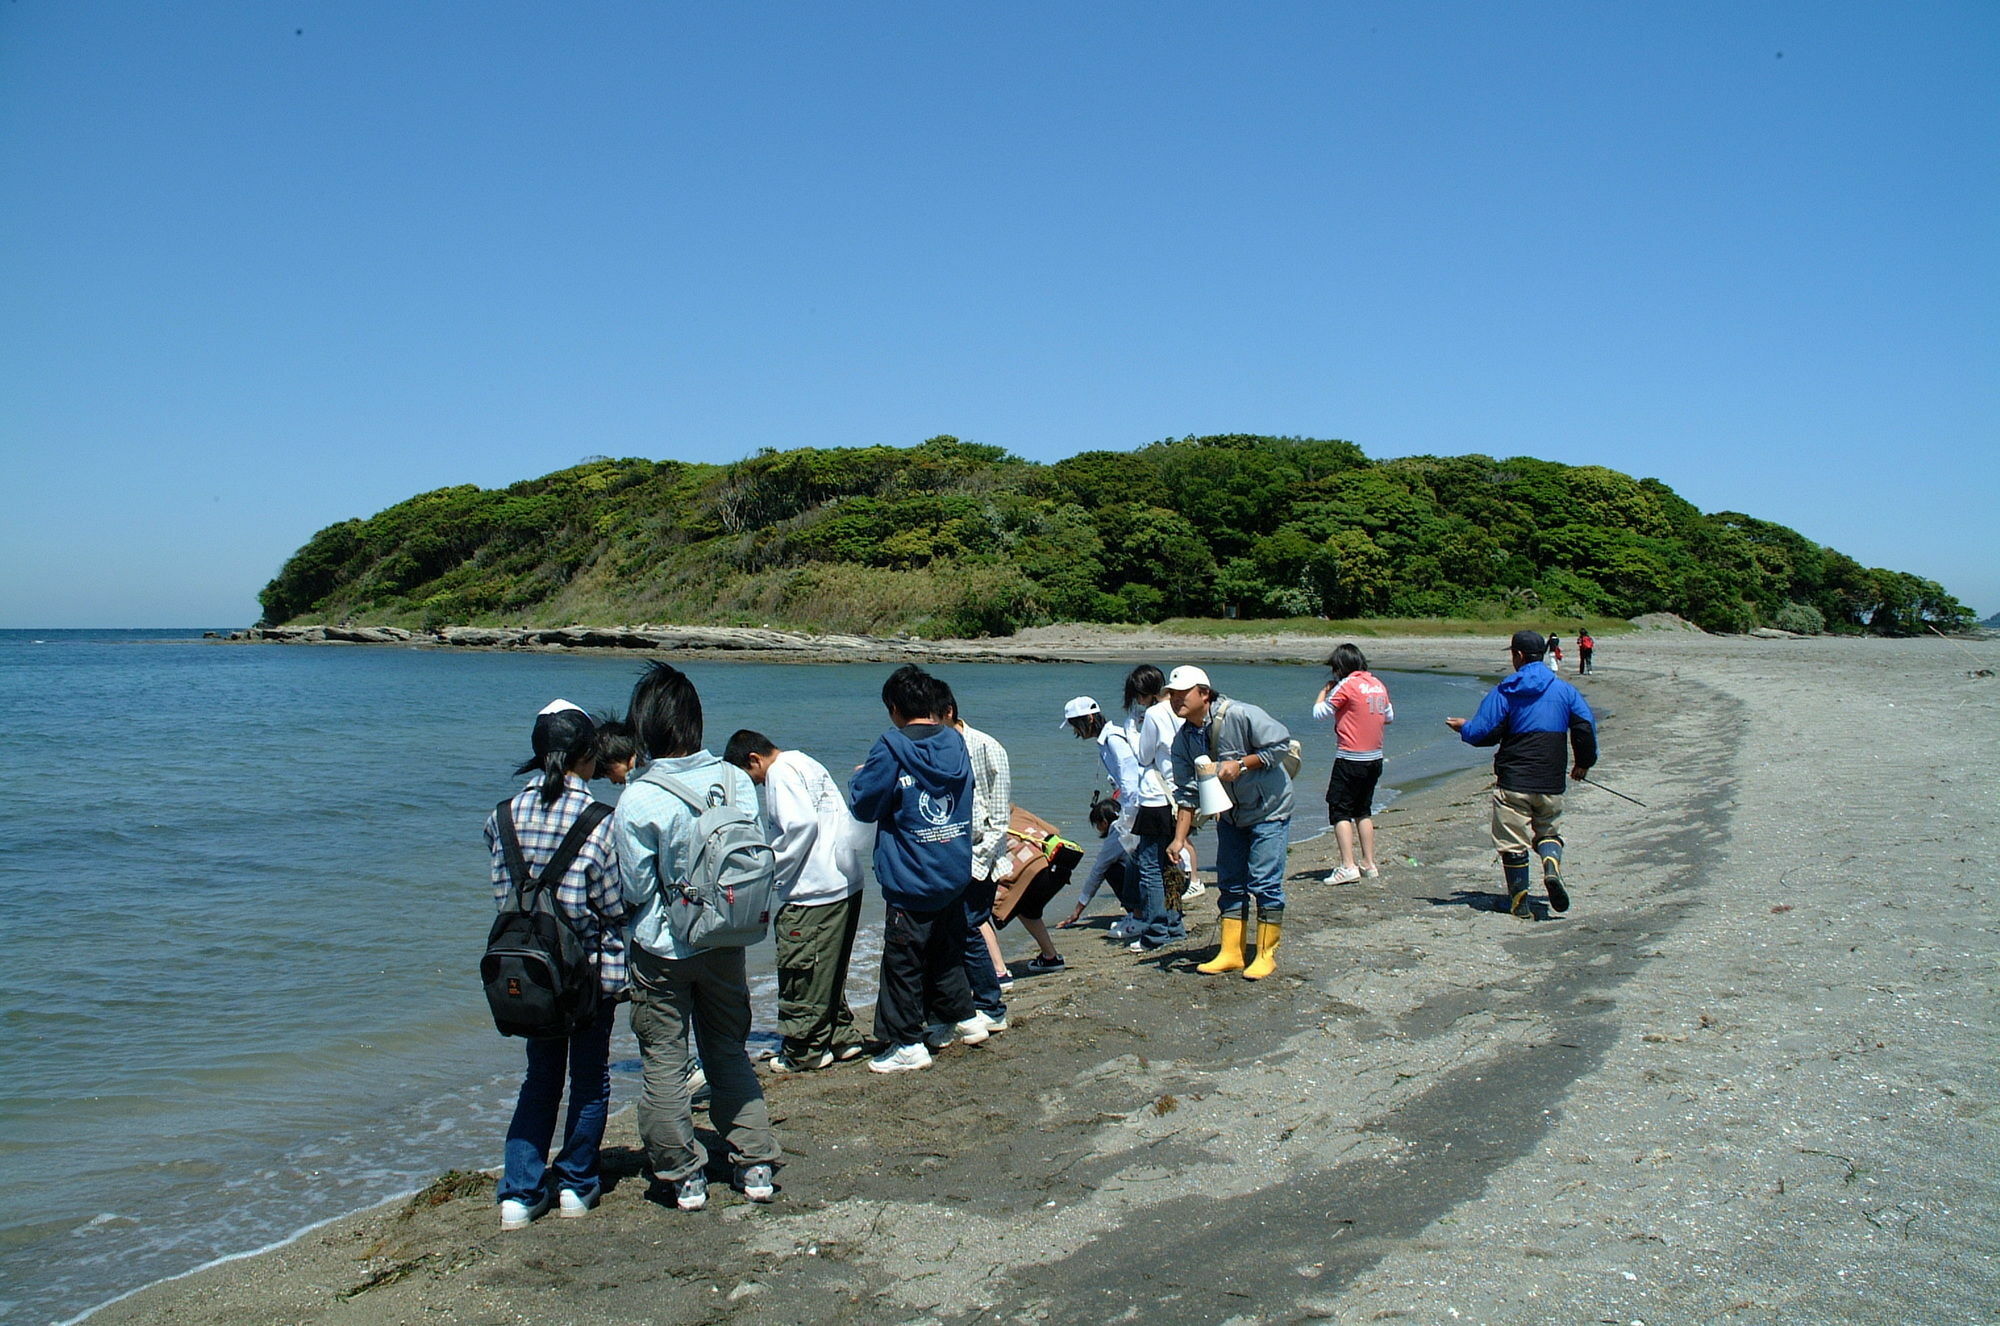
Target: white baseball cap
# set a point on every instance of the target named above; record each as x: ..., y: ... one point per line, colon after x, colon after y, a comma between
x: 1081, y: 707
x: 1185, y: 678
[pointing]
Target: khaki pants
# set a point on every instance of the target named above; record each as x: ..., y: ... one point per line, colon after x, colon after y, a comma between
x: 814, y: 944
x: 710, y: 992
x: 1522, y: 819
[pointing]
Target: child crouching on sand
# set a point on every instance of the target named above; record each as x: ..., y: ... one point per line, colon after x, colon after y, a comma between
x: 1108, y: 867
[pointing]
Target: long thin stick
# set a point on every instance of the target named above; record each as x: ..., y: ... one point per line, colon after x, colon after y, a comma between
x: 1614, y: 792
x: 1960, y: 643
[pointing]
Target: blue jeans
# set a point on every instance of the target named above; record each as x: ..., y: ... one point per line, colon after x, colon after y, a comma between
x: 1149, y: 894
x: 1251, y: 863
x: 979, y: 973
x: 585, y: 1059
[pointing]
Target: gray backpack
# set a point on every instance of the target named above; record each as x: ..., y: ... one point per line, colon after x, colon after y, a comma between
x: 733, y: 878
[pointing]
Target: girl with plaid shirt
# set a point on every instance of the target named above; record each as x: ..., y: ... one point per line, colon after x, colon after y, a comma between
x: 590, y: 895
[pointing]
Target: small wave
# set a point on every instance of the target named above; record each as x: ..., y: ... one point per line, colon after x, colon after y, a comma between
x: 223, y: 1260
x: 104, y: 1218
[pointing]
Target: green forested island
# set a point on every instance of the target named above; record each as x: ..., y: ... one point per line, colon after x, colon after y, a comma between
x: 955, y: 538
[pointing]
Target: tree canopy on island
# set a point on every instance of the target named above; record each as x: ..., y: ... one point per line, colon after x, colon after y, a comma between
x: 955, y: 538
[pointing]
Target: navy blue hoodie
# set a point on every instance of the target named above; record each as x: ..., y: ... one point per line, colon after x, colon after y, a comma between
x: 1534, y: 716
x: 917, y: 788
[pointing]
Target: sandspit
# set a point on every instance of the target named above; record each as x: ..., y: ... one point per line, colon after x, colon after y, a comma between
x: 1749, y: 1077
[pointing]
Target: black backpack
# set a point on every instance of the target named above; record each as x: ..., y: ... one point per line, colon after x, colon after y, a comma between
x: 537, y: 970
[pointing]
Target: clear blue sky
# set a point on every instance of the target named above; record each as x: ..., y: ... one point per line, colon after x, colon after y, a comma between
x: 265, y: 266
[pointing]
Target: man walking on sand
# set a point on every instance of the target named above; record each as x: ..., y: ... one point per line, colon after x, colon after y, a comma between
x: 1537, y: 719
x: 819, y: 885
x: 1245, y: 748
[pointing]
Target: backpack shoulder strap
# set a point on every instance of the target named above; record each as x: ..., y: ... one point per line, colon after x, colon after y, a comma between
x: 510, y: 846
x: 559, y: 864
x: 572, y: 843
x: 696, y: 803
x: 674, y: 785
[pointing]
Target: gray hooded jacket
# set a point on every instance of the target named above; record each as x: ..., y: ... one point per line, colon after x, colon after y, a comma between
x: 1234, y: 730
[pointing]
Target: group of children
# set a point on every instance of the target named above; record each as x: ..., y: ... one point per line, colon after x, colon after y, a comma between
x: 931, y: 807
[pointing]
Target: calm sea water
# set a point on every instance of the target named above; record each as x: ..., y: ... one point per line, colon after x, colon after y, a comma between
x: 245, y: 899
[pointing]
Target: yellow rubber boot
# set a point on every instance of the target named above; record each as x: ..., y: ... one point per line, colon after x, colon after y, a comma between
x: 1267, y: 950
x: 1229, y: 956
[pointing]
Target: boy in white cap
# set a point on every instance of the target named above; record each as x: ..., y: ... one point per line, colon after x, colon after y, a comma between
x: 1246, y: 748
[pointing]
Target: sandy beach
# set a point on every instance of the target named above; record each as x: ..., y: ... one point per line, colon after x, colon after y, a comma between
x: 1749, y: 1077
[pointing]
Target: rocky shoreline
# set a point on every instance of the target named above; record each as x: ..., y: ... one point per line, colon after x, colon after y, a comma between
x: 767, y: 644
x: 1064, y: 642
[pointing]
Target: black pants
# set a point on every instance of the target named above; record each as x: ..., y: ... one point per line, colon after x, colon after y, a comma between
x: 923, y: 972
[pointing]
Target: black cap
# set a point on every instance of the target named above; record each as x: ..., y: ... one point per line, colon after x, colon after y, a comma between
x: 562, y: 727
x: 1529, y: 644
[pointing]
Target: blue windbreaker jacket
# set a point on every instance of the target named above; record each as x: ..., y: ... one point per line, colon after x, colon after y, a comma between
x: 1534, y: 716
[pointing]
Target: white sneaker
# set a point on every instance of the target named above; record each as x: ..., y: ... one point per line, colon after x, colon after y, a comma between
x: 991, y: 1023
x: 1343, y: 875
x: 974, y: 1029
x: 900, y: 1059
x: 1195, y: 889
x: 1370, y: 872
x: 570, y: 1205
x: 516, y: 1214
x: 691, y: 1193
x: 807, y: 1064
x: 757, y: 1182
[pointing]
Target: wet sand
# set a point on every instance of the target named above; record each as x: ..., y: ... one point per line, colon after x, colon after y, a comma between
x: 1748, y: 1077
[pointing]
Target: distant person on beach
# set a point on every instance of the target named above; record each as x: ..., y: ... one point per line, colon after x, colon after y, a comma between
x: 819, y: 885
x: 1107, y: 867
x: 542, y: 814
x: 916, y: 788
x: 1145, y: 825
x: 1585, y: 646
x: 678, y: 990
x: 1244, y: 748
x: 992, y: 806
x: 618, y: 752
x: 1537, y: 719
x: 1555, y: 654
x: 1359, y: 705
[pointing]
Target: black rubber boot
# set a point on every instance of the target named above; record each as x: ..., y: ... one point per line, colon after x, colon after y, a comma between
x: 1551, y: 852
x: 1515, y: 867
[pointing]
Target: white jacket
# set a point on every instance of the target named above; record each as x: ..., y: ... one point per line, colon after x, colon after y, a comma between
x: 816, y: 839
x: 1153, y: 743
